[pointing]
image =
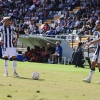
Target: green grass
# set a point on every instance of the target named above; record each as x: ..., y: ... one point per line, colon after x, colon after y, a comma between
x: 57, y: 82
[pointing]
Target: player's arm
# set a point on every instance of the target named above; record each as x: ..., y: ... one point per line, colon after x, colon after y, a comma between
x: 92, y: 42
x: 17, y: 36
x: 1, y: 42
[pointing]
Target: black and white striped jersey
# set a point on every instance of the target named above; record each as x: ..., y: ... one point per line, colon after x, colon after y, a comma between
x: 98, y: 36
x: 7, y: 36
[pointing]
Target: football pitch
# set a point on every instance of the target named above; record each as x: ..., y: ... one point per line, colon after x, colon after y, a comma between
x: 57, y: 82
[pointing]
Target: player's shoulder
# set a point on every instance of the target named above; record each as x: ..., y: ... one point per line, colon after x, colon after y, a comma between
x: 1, y: 27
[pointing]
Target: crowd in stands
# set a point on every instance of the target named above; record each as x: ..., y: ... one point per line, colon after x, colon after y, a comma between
x: 25, y: 15
x: 81, y: 22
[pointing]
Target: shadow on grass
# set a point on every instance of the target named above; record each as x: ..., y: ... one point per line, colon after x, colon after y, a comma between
x: 29, y: 78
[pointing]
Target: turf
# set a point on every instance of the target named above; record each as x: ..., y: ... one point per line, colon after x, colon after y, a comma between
x: 57, y: 82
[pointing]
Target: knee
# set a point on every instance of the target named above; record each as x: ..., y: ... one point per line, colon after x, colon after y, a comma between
x: 14, y: 58
x: 5, y: 58
x: 53, y: 55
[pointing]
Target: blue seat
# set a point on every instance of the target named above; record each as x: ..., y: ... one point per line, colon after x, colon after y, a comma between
x: 19, y: 57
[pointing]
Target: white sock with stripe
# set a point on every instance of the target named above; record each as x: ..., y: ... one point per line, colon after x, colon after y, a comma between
x: 14, y: 64
x: 91, y: 74
x: 6, y: 66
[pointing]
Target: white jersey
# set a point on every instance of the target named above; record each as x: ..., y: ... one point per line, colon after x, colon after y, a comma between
x: 96, y: 56
x: 98, y: 36
x: 7, y: 36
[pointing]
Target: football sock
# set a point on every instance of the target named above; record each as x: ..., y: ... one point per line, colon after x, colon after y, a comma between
x: 91, y: 73
x: 6, y: 65
x: 14, y: 64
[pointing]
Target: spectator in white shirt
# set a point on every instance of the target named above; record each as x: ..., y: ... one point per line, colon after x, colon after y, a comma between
x: 32, y: 7
x: 58, y: 29
x: 98, y: 19
x: 31, y: 26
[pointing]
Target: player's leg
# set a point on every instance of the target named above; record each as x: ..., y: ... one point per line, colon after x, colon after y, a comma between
x: 92, y: 70
x: 5, y: 57
x: 99, y: 65
x: 99, y: 62
x: 13, y: 54
x: 14, y: 64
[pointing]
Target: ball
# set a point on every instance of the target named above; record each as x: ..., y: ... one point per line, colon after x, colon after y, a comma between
x: 35, y: 75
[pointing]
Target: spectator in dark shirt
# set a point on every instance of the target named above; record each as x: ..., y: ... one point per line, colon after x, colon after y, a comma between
x: 21, y: 31
x: 50, y: 50
x: 35, y: 29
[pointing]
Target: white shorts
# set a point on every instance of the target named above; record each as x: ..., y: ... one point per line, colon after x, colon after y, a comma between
x: 9, y: 52
x: 96, y: 58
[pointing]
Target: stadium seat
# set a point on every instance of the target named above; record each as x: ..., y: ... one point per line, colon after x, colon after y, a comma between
x: 19, y: 57
x: 62, y: 60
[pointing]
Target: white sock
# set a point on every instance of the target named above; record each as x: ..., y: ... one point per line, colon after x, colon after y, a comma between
x: 14, y: 64
x: 91, y: 74
x: 6, y: 65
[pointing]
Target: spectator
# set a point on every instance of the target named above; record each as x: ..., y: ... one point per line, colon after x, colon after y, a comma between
x: 84, y: 30
x: 98, y: 19
x: 78, y: 56
x: 21, y: 24
x: 21, y: 31
x: 32, y: 8
x: 31, y: 26
x: 58, y: 52
x: 58, y: 29
x: 25, y: 57
x: 50, y: 33
x: 77, y: 23
x: 33, y: 58
x: 43, y: 55
x: 45, y: 28
x: 91, y: 25
x: 35, y: 29
x: 35, y: 18
x: 49, y: 51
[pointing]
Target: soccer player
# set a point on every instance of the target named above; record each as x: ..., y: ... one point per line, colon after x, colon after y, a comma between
x: 96, y: 56
x: 7, y: 42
